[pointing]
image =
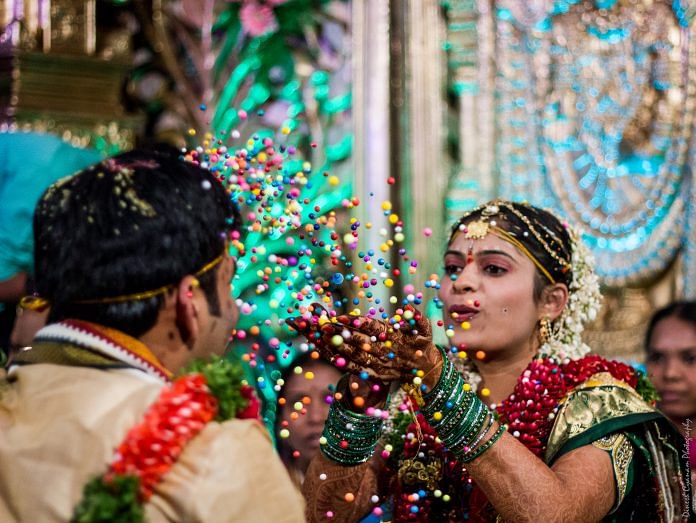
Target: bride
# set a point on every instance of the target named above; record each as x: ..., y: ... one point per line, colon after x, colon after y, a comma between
x: 515, y: 420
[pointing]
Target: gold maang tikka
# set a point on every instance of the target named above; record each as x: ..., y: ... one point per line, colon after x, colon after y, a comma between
x: 479, y: 229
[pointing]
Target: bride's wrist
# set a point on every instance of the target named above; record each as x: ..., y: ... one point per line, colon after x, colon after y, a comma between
x: 431, y: 367
x: 358, y: 395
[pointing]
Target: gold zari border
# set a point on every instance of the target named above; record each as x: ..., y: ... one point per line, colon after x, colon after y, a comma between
x: 621, y: 453
x: 599, y: 399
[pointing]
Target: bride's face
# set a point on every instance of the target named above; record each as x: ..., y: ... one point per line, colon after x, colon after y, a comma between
x: 488, y: 295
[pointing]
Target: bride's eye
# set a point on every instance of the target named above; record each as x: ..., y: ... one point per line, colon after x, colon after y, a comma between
x: 452, y: 269
x: 495, y: 270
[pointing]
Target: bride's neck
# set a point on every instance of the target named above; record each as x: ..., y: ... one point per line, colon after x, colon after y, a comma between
x: 500, y: 372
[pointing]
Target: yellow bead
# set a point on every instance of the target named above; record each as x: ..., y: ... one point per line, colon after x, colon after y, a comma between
x: 437, y: 416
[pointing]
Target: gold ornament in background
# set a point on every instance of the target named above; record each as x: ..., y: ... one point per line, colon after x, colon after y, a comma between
x: 63, y: 80
x: 619, y: 329
x: 72, y: 27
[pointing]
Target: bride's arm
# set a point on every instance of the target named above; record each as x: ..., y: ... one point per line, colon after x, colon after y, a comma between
x: 578, y: 487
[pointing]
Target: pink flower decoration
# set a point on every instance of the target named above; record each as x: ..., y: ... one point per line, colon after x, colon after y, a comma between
x: 257, y: 19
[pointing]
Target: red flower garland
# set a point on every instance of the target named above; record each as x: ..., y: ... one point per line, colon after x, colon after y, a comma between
x: 180, y: 412
x: 152, y: 447
x: 540, y: 388
x: 528, y: 412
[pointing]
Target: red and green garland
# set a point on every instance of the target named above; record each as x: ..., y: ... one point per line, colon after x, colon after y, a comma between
x: 528, y: 411
x: 209, y: 391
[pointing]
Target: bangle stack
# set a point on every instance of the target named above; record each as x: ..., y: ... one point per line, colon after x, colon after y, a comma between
x: 349, y: 438
x: 461, y: 420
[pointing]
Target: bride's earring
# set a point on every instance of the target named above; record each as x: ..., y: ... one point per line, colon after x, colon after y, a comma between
x: 544, y: 330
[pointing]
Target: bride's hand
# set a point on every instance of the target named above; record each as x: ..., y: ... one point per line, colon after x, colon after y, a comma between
x: 388, y: 351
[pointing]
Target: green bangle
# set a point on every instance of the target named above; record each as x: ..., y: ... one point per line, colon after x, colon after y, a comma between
x: 478, y: 436
x: 463, y: 435
x: 467, y: 430
x: 350, y: 437
x: 467, y: 458
x: 451, y: 388
x: 446, y: 374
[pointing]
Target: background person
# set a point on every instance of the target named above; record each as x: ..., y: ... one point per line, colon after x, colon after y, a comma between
x: 671, y: 365
x: 303, y: 405
x: 30, y: 163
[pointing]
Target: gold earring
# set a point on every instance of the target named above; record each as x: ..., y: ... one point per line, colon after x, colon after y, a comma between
x: 544, y: 330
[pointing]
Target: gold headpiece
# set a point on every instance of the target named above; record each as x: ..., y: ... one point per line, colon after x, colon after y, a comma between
x: 480, y: 228
x: 477, y: 230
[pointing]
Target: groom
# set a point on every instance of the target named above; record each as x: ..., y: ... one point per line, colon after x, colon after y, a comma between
x: 131, y: 258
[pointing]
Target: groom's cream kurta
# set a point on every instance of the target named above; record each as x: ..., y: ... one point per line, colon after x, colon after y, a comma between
x: 59, y: 426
